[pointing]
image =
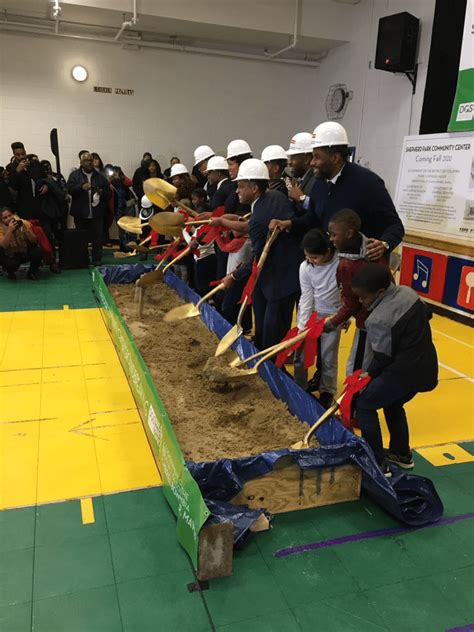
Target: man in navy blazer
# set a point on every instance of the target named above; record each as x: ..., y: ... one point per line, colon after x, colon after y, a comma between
x: 342, y: 184
x: 277, y: 289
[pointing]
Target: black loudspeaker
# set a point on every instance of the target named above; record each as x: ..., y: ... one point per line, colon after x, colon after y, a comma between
x: 73, y: 251
x: 397, y: 42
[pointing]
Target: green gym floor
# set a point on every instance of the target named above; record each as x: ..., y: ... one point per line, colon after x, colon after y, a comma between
x: 106, y: 558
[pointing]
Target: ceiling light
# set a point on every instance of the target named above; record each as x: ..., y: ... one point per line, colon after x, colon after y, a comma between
x: 79, y: 73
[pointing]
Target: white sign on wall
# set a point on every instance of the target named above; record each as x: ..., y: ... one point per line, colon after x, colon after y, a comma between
x: 435, y: 186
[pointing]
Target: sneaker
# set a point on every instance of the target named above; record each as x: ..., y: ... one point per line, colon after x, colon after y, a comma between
x: 386, y: 469
x: 33, y: 276
x: 326, y: 400
x: 405, y: 462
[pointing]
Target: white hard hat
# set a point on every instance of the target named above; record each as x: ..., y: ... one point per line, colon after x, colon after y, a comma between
x: 146, y: 213
x: 217, y: 163
x: 329, y: 134
x: 273, y: 152
x: 202, y: 153
x: 301, y: 143
x: 238, y: 148
x: 178, y: 169
x: 253, y: 169
x: 145, y: 202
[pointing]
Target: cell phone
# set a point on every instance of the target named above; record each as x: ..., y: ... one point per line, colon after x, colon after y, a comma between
x: 18, y: 224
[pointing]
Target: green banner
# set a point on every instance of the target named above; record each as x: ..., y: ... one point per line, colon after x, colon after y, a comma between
x: 462, y: 115
x: 180, y: 489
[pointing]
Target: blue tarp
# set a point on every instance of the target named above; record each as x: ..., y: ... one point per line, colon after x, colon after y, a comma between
x: 411, y: 499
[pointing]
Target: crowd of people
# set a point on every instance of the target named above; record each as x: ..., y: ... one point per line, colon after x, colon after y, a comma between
x: 337, y: 227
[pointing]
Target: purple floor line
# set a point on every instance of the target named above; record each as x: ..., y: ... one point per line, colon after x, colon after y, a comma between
x: 367, y: 535
x: 463, y: 628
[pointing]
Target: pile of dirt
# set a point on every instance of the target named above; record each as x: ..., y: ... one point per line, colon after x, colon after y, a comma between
x: 211, y: 419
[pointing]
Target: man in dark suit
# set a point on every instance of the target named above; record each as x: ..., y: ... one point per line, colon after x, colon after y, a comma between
x: 277, y: 288
x: 342, y: 184
x: 90, y: 192
x: 300, y: 155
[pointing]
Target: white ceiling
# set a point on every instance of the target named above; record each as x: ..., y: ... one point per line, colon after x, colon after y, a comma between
x: 249, y: 26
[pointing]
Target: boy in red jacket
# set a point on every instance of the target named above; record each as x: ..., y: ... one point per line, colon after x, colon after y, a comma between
x: 351, y: 246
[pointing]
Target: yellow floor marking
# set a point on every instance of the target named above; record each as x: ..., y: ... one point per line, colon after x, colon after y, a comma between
x: 87, y: 511
x: 461, y: 342
x: 456, y: 372
x: 446, y: 454
x: 69, y: 427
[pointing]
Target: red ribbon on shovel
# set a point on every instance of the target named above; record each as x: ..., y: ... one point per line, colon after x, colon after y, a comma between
x: 249, y: 286
x: 315, y: 327
x: 354, y: 384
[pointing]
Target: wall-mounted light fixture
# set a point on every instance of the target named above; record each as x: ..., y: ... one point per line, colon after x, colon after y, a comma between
x: 79, y: 73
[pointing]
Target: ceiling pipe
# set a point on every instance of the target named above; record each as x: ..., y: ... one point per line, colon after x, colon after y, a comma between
x: 296, y: 29
x: 33, y: 29
x: 127, y: 23
x: 56, y: 11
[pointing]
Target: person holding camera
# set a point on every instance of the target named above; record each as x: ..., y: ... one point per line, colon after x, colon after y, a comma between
x: 25, y: 171
x: 18, y: 244
x: 90, y: 192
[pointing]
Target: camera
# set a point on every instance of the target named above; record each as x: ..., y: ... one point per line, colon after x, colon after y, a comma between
x: 18, y: 224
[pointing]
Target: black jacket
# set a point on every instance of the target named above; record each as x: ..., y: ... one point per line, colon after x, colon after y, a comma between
x: 53, y: 203
x: 280, y: 275
x: 362, y: 191
x: 221, y: 194
x: 28, y: 203
x: 81, y: 204
x: 399, y: 333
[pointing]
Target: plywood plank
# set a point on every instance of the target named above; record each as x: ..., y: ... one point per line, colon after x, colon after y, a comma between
x: 289, y: 488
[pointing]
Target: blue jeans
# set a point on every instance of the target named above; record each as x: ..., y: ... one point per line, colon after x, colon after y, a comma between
x: 385, y: 393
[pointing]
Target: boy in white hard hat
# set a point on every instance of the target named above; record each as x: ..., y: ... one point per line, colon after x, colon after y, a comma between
x: 274, y: 156
x: 277, y: 288
x: 343, y: 184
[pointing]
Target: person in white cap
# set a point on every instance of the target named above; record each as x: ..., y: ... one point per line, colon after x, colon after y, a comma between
x: 217, y: 172
x: 342, y: 184
x: 274, y: 156
x: 180, y: 178
x: 277, y: 289
x: 201, y: 156
x: 300, y: 155
x: 237, y: 151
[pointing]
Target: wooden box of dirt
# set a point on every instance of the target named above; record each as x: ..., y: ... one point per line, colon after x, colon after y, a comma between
x: 215, y: 420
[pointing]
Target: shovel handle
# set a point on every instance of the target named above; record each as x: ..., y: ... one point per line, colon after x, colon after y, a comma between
x: 241, y: 312
x: 207, y: 296
x: 176, y: 202
x: 281, y: 346
x: 181, y: 255
x: 319, y: 422
x: 198, y: 222
x: 243, y: 361
x: 266, y: 249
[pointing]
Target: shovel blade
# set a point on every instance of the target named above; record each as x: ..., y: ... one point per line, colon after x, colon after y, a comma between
x: 150, y: 278
x: 299, y: 445
x: 228, y: 340
x: 181, y: 312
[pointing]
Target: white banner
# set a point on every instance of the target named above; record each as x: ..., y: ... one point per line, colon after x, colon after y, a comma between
x: 435, y: 187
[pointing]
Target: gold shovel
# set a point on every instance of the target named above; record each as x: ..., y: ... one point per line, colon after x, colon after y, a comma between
x: 231, y: 374
x: 157, y: 275
x: 141, y: 287
x: 171, y: 224
x: 163, y: 194
x: 131, y: 224
x: 301, y: 445
x: 189, y: 310
x: 136, y: 248
x: 231, y: 336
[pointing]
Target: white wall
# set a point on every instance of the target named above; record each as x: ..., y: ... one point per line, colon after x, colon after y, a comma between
x: 181, y: 101
x: 378, y: 117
